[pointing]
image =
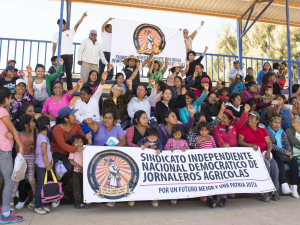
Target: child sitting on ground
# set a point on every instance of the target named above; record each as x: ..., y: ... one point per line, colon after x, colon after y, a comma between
x: 224, y: 94
x: 237, y: 85
x: 76, y: 159
x: 151, y: 140
x: 204, y: 141
x: 176, y: 143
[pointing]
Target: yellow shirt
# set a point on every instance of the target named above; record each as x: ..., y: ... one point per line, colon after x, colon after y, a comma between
x: 115, y: 101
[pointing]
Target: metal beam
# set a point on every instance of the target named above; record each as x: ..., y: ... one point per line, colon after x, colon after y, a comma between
x: 239, y: 42
x: 60, y: 31
x: 69, y: 3
x: 288, y: 43
x: 248, y: 18
x: 262, y: 12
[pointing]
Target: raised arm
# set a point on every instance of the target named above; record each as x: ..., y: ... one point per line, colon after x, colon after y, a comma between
x: 166, y: 66
x: 30, y: 80
x: 148, y: 59
x: 106, y: 22
x: 93, y: 126
x: 58, y: 71
x: 135, y: 72
x: 153, y: 92
x: 80, y: 21
x: 78, y: 85
x: 187, y: 67
x: 204, y: 53
x: 151, y: 68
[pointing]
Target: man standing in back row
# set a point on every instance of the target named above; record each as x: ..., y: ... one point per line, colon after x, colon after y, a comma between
x: 106, y: 35
x: 188, y: 40
x: 66, y: 51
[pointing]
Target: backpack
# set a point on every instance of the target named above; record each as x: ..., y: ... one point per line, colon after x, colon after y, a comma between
x: 51, y: 190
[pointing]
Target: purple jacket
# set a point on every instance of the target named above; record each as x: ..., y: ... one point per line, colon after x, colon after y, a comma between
x: 163, y: 135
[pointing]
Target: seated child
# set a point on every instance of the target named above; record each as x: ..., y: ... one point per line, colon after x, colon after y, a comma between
x: 204, y: 141
x: 53, y: 69
x: 176, y: 143
x: 268, y: 96
x: 237, y: 85
x: 150, y: 139
x: 224, y: 94
x: 281, y: 76
x: 276, y: 87
x: 76, y: 159
x: 249, y: 74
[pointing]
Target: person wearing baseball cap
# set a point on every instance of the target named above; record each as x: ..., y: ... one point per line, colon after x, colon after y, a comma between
x: 12, y: 63
x: 66, y: 127
x: 88, y: 53
x: 66, y: 51
x: 9, y: 80
x: 235, y: 71
x: 253, y: 136
x: 21, y: 95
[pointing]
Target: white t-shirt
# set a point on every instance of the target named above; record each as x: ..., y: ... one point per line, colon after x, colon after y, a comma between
x: 106, y: 41
x: 66, y: 42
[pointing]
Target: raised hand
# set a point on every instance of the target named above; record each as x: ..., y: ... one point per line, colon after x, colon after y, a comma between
x: 152, y: 52
x: 183, y: 91
x: 89, y: 136
x: 247, y: 108
x: 166, y: 59
x: 104, y: 75
x: 206, y: 87
x: 84, y: 14
x: 274, y: 102
x: 29, y: 69
x: 220, y: 81
x: 129, y: 83
x: 138, y: 65
x: 61, y: 61
x: 110, y: 19
x: 110, y: 66
x: 206, y: 48
x: 89, y: 120
x: 187, y: 62
x: 223, y: 106
x: 190, y: 108
x: 21, y: 73
x: 202, y: 23
x: 80, y: 82
x: 152, y: 82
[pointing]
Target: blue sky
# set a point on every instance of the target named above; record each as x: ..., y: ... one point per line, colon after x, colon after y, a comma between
x: 36, y: 19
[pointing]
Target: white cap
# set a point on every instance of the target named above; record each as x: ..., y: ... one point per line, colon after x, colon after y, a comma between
x: 20, y: 81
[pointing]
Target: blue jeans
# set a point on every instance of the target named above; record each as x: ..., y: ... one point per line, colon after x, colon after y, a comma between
x: 40, y: 176
x: 38, y: 104
x: 102, y: 66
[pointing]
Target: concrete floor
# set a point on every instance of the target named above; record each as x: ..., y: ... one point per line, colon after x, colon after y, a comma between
x: 237, y: 211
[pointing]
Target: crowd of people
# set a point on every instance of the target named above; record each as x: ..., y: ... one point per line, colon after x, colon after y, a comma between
x: 190, y: 113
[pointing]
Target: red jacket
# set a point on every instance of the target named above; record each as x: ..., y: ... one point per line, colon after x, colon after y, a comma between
x: 221, y: 136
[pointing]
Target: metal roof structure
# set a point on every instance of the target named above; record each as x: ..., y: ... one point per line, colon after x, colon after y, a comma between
x: 231, y: 9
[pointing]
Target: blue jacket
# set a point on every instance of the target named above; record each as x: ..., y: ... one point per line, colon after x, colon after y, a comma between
x: 260, y: 76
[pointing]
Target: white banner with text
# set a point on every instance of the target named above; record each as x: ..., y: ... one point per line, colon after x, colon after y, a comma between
x: 140, y: 39
x: 131, y: 174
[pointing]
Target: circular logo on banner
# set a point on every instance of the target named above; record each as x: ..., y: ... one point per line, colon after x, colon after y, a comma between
x: 112, y: 174
x: 147, y: 38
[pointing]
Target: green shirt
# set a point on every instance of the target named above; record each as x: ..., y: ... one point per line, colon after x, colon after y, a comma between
x: 49, y: 78
x: 158, y: 76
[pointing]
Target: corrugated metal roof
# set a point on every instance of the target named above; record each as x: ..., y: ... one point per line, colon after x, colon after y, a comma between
x: 232, y: 9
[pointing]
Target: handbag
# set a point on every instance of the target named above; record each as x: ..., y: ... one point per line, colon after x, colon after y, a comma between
x: 51, y: 190
x: 284, y: 158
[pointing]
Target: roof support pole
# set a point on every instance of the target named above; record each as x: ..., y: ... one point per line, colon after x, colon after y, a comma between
x: 288, y: 43
x: 239, y: 42
x: 60, y: 30
x: 69, y: 3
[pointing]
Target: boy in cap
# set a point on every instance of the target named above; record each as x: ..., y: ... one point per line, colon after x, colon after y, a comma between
x: 9, y: 80
x: 13, y: 63
x: 235, y: 71
x: 88, y: 53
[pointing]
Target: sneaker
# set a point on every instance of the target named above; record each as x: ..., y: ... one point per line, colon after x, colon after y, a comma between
x: 13, y: 218
x: 173, y: 202
x: 131, y: 203
x: 81, y: 206
x: 222, y: 202
x: 294, y: 189
x: 40, y: 211
x: 285, y: 189
x: 154, y: 203
x: 110, y: 204
x: 31, y: 205
x: 55, y: 204
x: 46, y: 208
x: 211, y: 203
x: 20, y: 205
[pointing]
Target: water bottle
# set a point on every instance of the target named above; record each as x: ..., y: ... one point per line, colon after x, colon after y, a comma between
x: 152, y: 118
x: 94, y: 118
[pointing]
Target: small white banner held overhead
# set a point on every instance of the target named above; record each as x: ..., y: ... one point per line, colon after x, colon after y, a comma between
x: 140, y: 39
x: 131, y: 174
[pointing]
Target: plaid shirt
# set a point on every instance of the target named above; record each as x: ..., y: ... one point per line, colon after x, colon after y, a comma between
x: 176, y: 144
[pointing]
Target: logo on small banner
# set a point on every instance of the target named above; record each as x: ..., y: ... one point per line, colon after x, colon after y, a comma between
x: 112, y: 174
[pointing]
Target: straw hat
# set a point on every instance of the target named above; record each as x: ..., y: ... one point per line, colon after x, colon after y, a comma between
x: 155, y: 61
x: 125, y: 61
x: 176, y: 64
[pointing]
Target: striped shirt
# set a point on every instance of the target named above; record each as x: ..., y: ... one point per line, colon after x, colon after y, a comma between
x: 206, y: 144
